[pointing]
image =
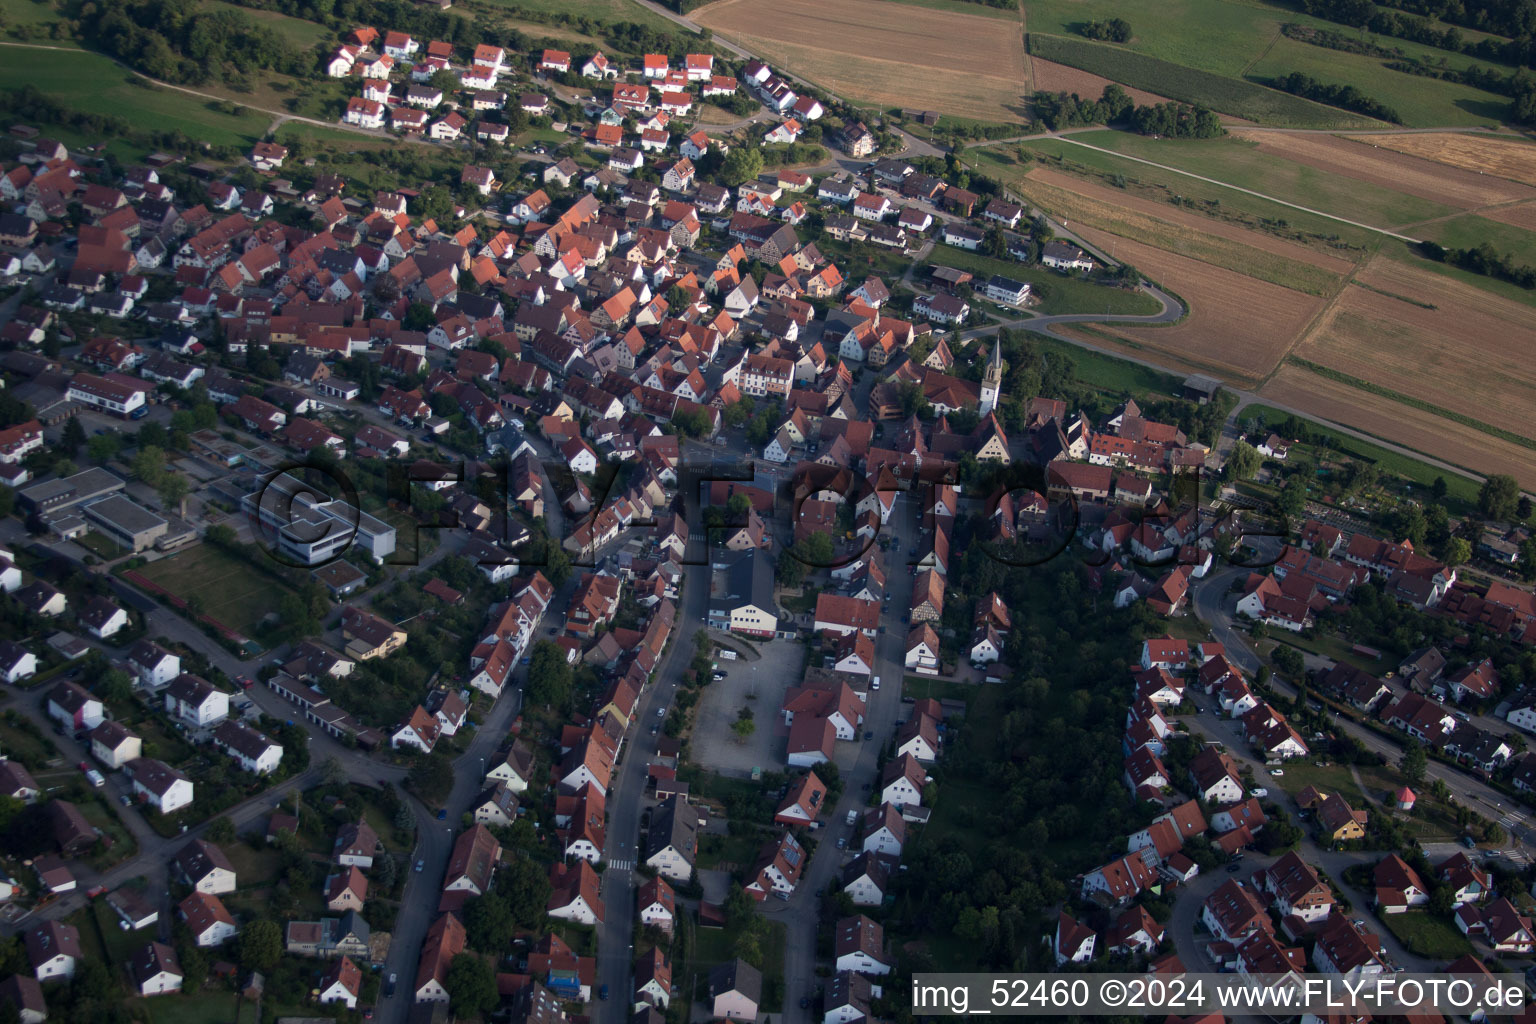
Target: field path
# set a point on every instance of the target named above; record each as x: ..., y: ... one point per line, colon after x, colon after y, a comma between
x: 1238, y: 188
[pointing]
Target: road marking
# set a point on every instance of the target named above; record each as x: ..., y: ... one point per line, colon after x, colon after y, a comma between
x: 621, y: 865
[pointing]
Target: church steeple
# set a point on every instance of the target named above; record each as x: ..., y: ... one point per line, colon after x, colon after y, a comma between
x: 992, y: 379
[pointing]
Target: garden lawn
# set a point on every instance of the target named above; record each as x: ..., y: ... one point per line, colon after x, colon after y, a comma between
x: 1426, y: 935
x: 217, y: 1006
x: 92, y: 83
x: 1057, y: 293
x: 230, y: 589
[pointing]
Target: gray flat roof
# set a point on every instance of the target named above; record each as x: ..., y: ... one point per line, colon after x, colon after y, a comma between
x: 85, y: 484
x: 124, y: 515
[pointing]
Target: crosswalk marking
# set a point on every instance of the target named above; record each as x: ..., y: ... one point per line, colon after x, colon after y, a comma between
x: 622, y: 865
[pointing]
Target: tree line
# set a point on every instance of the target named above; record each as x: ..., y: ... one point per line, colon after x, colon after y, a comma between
x: 1519, y: 85
x: 1406, y: 23
x: 1345, y: 97
x: 1514, y: 18
x: 1059, y: 110
x: 1482, y: 259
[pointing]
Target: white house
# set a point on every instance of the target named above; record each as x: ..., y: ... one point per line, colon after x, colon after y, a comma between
x: 195, y: 701
x: 166, y: 789
x: 16, y: 662
x: 155, y: 970
x: 154, y: 665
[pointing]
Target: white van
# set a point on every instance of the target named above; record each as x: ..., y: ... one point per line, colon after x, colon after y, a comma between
x: 876, y: 684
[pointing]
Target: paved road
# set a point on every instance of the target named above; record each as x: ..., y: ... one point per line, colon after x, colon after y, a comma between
x: 615, y: 949
x: 882, y: 713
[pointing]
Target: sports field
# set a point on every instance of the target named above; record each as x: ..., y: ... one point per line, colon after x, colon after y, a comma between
x: 969, y: 65
x: 229, y: 590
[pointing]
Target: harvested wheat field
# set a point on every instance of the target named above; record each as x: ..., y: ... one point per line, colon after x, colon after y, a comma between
x: 961, y: 64
x: 1503, y: 157
x: 1146, y: 219
x: 1237, y: 325
x: 1521, y: 215
x: 1412, y: 175
x: 1426, y: 353
x: 1300, y: 389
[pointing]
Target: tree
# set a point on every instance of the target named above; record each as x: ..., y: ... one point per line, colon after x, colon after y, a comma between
x: 471, y: 985
x: 103, y: 448
x: 1457, y: 551
x: 431, y: 775
x: 815, y: 550
x: 1414, y: 762
x: 115, y: 686
x: 1293, y: 496
x: 1499, y: 497
x: 549, y: 675
x: 261, y: 945
x: 1523, y: 508
x: 791, y: 570
x: 743, y: 727
x: 173, y: 491
x: 1439, y: 487
x: 73, y: 438
x: 152, y: 435
x: 742, y: 164
x: 527, y: 884
x: 333, y: 772
x: 488, y: 923
x: 1243, y: 463
x: 404, y: 821
x: 220, y: 830
x: 149, y: 465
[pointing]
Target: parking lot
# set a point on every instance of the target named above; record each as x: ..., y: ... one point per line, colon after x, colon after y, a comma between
x: 758, y: 684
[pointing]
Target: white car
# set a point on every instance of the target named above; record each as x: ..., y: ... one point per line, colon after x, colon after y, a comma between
x: 1258, y: 791
x: 1277, y: 772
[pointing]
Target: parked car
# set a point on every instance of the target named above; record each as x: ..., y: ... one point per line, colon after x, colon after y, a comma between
x: 602, y: 992
x: 1258, y: 791
x: 442, y: 814
x: 389, y: 986
x: 869, y: 735
x: 842, y: 842
x: 1277, y: 772
x: 718, y: 676
x: 1468, y: 842
x: 661, y: 712
x: 420, y: 864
